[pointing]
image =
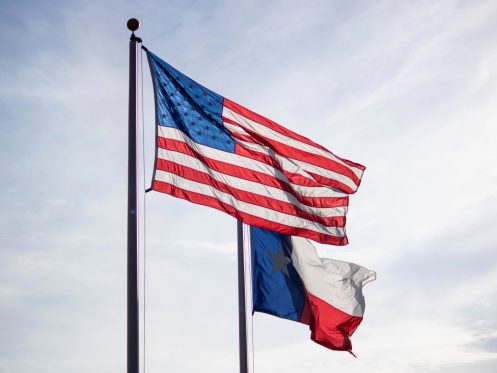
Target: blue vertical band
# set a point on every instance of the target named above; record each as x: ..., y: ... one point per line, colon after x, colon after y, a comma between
x: 277, y: 287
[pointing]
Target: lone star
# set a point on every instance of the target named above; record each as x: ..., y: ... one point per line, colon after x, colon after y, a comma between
x: 280, y: 262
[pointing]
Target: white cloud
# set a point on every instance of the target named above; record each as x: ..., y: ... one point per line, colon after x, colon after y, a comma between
x: 408, y: 89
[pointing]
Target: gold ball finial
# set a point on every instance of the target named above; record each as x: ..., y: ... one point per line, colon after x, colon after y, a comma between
x: 133, y: 24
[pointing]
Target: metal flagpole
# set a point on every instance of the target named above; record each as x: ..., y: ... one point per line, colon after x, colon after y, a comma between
x: 242, y: 313
x: 133, y: 323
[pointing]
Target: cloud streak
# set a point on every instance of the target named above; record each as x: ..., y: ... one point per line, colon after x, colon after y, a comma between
x: 408, y: 89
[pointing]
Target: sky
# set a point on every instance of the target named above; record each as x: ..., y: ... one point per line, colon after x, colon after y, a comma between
x: 408, y: 89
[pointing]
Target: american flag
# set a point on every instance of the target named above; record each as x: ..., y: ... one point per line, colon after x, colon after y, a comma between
x: 214, y: 152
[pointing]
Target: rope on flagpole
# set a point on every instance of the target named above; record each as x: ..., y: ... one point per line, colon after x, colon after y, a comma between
x: 144, y: 202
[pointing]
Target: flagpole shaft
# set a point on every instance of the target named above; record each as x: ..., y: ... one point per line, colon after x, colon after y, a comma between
x: 242, y: 314
x: 132, y: 294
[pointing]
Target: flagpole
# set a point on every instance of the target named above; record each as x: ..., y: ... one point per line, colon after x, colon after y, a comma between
x: 242, y: 313
x: 132, y: 295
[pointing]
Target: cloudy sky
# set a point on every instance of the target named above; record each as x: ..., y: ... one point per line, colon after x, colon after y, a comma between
x: 409, y: 89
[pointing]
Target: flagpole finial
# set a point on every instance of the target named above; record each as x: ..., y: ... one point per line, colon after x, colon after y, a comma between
x: 133, y: 24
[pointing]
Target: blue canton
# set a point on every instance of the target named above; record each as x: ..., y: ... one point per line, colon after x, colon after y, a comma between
x: 188, y: 106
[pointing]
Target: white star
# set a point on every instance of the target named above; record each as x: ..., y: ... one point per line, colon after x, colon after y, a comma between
x: 280, y: 262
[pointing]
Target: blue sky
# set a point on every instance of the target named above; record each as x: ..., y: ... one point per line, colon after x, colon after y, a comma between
x: 406, y: 88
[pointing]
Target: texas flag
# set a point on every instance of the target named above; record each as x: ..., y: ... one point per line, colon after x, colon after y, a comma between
x: 292, y: 282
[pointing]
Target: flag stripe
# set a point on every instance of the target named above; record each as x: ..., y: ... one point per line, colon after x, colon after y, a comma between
x: 261, y: 135
x: 341, y: 289
x: 240, y: 195
x: 246, y: 160
x: 250, y: 115
x: 336, y: 218
x: 296, y: 155
x: 246, y: 207
x: 290, y: 169
x: 303, y: 194
x: 303, y: 150
x: 329, y: 178
x: 337, y: 237
x: 329, y: 326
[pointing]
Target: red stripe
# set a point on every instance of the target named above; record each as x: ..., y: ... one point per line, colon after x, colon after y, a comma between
x: 297, y: 154
x: 249, y: 114
x: 278, y: 128
x: 319, y: 179
x: 329, y: 326
x: 264, y: 158
x: 246, y: 218
x: 332, y: 183
x: 251, y: 175
x: 246, y: 196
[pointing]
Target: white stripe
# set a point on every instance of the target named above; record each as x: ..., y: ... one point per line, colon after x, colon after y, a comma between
x: 299, y: 167
x: 337, y: 283
x: 235, y: 128
x: 248, y: 208
x: 276, y: 136
x: 288, y: 163
x: 251, y: 164
x: 249, y: 186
